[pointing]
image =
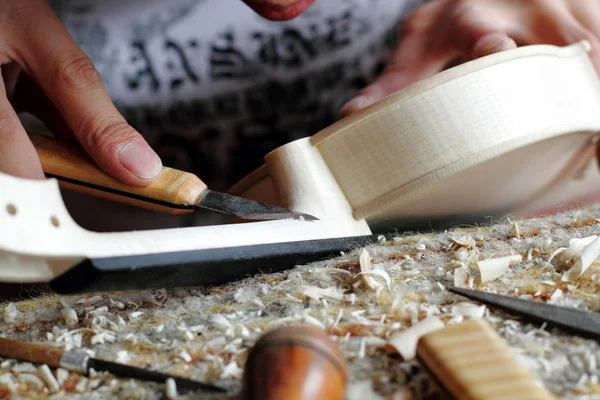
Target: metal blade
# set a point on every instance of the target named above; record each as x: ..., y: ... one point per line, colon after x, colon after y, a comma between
x: 578, y: 321
x: 247, y: 209
x: 149, y: 375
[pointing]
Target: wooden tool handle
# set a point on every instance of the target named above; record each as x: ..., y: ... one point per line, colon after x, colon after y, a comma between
x: 470, y: 361
x: 174, y: 192
x: 30, y: 352
x: 295, y: 362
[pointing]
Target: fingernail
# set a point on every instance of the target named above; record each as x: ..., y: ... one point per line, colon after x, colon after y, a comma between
x: 140, y: 160
x: 356, y: 104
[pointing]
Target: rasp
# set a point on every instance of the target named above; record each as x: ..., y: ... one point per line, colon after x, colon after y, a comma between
x: 581, y: 322
x: 82, y: 363
x: 174, y: 191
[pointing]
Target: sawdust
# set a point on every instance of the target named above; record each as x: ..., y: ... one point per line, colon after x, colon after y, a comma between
x: 206, y: 333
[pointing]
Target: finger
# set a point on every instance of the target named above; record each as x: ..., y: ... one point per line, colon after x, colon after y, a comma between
x: 420, y: 53
x: 561, y: 27
x: 74, y: 86
x: 18, y: 157
x: 10, y: 74
x: 30, y: 98
x: 587, y: 14
x: 477, y: 33
x: 581, y: 22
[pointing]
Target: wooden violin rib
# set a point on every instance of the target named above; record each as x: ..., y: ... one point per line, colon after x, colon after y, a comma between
x: 512, y: 123
x: 508, y: 130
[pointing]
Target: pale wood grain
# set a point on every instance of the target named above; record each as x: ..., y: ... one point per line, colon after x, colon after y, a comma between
x: 470, y: 361
x: 65, y: 159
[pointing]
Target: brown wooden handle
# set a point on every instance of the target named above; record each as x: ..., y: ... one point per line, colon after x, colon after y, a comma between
x: 30, y: 352
x: 284, y: 364
x: 173, y: 192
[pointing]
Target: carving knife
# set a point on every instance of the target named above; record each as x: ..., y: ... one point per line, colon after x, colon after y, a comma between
x: 174, y: 192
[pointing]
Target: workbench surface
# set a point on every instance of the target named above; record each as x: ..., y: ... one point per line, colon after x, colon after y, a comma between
x: 206, y: 333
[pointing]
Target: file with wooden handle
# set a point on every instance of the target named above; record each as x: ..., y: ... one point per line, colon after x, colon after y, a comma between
x: 470, y: 361
x: 81, y: 362
x: 174, y: 192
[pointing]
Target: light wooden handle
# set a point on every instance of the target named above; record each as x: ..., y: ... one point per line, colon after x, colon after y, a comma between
x: 173, y: 192
x: 470, y: 361
x: 30, y: 352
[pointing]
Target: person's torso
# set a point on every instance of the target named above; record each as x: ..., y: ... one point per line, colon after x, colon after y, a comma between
x: 213, y: 87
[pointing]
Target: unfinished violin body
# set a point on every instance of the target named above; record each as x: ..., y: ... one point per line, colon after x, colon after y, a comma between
x: 511, y: 131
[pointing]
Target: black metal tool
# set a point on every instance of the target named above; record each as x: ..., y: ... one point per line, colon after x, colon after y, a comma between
x: 585, y: 323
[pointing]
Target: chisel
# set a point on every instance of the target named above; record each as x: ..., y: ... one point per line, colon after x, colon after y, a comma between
x: 174, y: 191
x: 82, y: 363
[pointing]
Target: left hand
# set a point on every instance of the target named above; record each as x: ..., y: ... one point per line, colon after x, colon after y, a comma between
x: 441, y: 32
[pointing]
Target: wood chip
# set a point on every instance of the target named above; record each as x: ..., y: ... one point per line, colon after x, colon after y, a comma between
x: 588, y: 255
x: 470, y: 310
x: 461, y: 277
x: 11, y: 313
x: 365, y: 269
x: 70, y: 317
x: 493, y: 268
x: 47, y: 376
x: 171, y: 389
x: 405, y: 342
x: 317, y: 294
x: 463, y: 241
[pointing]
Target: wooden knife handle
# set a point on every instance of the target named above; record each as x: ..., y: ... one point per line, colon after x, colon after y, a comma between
x: 30, y: 352
x: 470, y: 361
x: 173, y: 192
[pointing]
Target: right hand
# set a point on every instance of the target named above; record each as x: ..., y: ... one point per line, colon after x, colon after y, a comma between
x: 45, y: 73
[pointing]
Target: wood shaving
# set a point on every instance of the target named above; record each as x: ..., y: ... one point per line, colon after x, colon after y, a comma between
x: 31, y: 380
x: 61, y: 375
x: 135, y: 315
x: 466, y: 241
x: 220, y: 322
x: 469, y: 310
x: 47, y: 376
x: 171, y: 389
x: 123, y: 357
x: 70, y: 317
x: 576, y: 247
x: 185, y: 356
x: 313, y: 321
x: 588, y: 253
x: 461, y: 277
x: 11, y: 313
x: 365, y: 269
x: 516, y: 230
x: 231, y: 371
x: 493, y: 268
x: 318, y: 294
x: 405, y: 342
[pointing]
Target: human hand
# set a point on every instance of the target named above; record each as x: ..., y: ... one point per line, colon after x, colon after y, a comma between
x: 439, y: 33
x: 45, y: 73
